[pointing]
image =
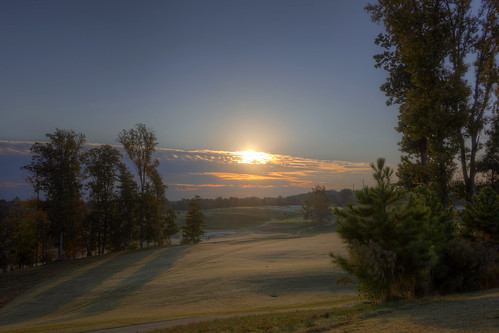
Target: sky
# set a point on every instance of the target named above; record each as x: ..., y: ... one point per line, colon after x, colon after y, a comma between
x: 293, y: 79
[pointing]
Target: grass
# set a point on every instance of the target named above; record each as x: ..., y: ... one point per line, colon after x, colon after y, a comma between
x: 249, y: 272
x: 284, y: 278
x: 242, y: 217
x: 475, y: 312
x: 296, y: 321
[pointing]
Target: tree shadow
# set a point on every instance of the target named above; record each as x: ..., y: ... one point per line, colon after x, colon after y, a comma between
x: 478, y: 314
x: 69, y: 295
x: 280, y: 284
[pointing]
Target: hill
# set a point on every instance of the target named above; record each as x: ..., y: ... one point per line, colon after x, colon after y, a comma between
x: 269, y: 266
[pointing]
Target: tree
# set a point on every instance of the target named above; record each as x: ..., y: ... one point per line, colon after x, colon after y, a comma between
x: 432, y: 47
x: 345, y: 196
x: 388, y: 237
x: 306, y: 210
x: 26, y: 224
x: 56, y: 166
x: 140, y: 143
x: 171, y: 227
x: 489, y: 164
x: 102, y: 167
x: 194, y: 222
x: 5, y: 232
x: 156, y: 204
x: 319, y: 205
x: 124, y: 229
x: 481, y: 216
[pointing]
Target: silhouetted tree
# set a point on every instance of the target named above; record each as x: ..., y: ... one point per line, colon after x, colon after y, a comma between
x: 25, y: 221
x: 140, y: 143
x: 390, y: 239
x: 124, y: 230
x: 489, y: 165
x: 432, y: 50
x: 156, y: 204
x: 194, y: 222
x: 57, y: 167
x: 481, y: 216
x: 171, y: 226
x: 102, y: 167
x: 319, y: 204
x: 307, y: 210
x: 345, y: 196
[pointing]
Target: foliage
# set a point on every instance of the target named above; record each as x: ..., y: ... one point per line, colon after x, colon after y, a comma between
x: 345, y: 196
x: 316, y: 206
x: 481, y: 216
x: 56, y: 170
x: 124, y: 230
x: 306, y: 210
x: 171, y: 228
x: 194, y: 222
x: 140, y: 143
x: 390, y: 239
x: 432, y: 49
x: 155, y: 209
x: 489, y: 164
x: 468, y: 266
x: 29, y: 227
x: 102, y: 166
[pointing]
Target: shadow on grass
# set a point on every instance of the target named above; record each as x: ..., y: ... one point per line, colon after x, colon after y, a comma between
x: 72, y: 293
x: 276, y: 286
x: 477, y: 312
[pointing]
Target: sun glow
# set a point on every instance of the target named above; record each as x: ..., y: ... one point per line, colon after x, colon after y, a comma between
x: 253, y: 157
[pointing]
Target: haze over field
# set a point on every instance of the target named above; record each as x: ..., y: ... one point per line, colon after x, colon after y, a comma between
x: 293, y: 79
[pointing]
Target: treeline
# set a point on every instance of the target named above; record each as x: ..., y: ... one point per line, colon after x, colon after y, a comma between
x: 405, y: 239
x: 87, y: 202
x: 335, y: 198
x: 402, y: 244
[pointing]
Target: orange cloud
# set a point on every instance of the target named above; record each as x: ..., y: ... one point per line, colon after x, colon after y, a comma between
x: 258, y: 186
x: 200, y: 185
x: 238, y: 176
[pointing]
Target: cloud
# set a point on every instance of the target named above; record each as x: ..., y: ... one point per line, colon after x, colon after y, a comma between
x: 212, y: 173
x: 240, y: 176
x: 12, y: 184
x: 10, y: 148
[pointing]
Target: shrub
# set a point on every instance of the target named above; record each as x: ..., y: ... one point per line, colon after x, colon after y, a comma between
x: 392, y: 238
x: 481, y: 216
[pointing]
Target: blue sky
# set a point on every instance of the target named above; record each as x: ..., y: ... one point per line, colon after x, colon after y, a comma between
x: 292, y: 78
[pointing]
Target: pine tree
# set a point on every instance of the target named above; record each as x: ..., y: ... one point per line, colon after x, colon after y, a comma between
x: 481, y: 216
x: 194, y: 222
x: 387, y: 236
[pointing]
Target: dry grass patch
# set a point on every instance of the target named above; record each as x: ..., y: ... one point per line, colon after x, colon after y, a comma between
x: 232, y: 275
x: 477, y: 312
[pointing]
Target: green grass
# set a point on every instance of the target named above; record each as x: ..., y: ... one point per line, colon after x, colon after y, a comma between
x: 296, y: 321
x: 249, y: 272
x: 242, y: 217
x: 473, y: 312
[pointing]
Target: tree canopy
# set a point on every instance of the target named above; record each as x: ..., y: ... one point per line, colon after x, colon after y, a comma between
x: 441, y: 60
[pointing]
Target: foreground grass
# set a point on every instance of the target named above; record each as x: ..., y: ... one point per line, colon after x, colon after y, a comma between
x: 475, y: 312
x: 297, y: 321
x: 248, y: 272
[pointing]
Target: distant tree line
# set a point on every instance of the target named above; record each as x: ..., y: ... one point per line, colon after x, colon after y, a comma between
x: 335, y: 198
x: 405, y: 238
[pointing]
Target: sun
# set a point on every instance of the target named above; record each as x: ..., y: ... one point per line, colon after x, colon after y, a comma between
x: 253, y: 157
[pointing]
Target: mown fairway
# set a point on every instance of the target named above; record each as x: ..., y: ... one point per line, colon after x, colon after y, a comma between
x: 265, y: 265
